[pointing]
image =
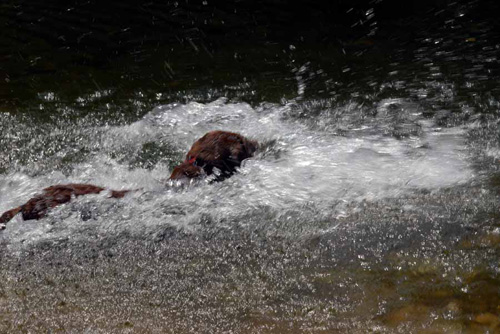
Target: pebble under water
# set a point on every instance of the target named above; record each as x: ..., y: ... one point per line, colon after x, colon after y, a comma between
x: 370, y: 207
x: 351, y: 219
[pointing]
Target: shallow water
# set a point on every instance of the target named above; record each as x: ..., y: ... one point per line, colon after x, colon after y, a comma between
x: 370, y: 207
x: 335, y: 224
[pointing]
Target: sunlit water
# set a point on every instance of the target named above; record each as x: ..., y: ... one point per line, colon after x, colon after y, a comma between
x: 371, y: 206
x: 312, y: 169
x: 349, y: 217
x: 352, y: 218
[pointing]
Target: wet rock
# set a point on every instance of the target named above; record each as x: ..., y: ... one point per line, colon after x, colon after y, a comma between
x: 128, y: 324
x: 407, y: 313
x: 453, y: 306
x: 488, y: 319
x: 442, y: 117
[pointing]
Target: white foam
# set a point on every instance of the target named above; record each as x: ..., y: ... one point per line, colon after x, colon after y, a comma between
x: 300, y: 165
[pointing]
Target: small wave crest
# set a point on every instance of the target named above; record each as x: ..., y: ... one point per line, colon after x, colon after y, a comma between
x: 304, y: 169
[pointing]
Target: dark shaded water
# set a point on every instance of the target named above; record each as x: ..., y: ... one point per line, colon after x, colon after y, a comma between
x: 373, y: 207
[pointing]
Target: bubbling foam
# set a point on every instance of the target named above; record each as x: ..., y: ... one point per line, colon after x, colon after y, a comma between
x: 300, y: 165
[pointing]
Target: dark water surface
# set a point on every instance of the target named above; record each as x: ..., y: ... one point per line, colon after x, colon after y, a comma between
x: 372, y: 206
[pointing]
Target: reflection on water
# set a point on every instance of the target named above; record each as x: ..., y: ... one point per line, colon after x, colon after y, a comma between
x: 372, y: 206
x: 342, y: 213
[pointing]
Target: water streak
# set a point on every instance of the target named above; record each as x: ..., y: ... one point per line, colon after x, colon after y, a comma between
x: 306, y: 169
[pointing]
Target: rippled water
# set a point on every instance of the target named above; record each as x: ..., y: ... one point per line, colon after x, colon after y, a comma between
x: 340, y: 157
x: 324, y: 225
x: 370, y: 207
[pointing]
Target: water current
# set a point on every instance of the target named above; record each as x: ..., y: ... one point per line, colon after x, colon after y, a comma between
x: 339, y: 158
x: 334, y: 207
x: 371, y: 205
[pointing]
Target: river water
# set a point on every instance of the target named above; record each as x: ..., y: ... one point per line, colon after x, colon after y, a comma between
x: 370, y: 207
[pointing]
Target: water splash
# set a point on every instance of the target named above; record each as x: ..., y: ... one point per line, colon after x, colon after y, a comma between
x: 304, y: 170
